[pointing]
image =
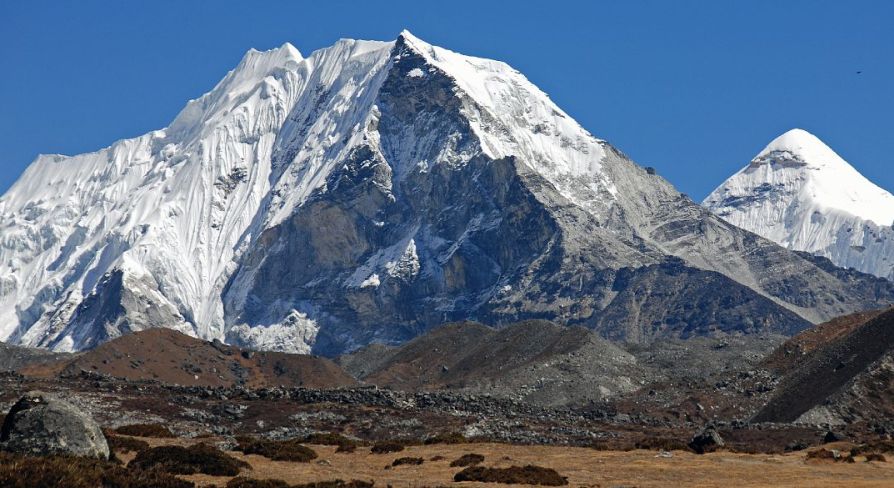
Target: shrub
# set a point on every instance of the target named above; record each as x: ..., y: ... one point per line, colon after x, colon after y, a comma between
x: 876, y: 457
x: 328, y: 439
x: 348, y: 448
x: 125, y: 444
x: 200, y: 458
x: 467, y: 460
x: 881, y: 446
x: 145, y: 430
x: 415, y: 461
x: 387, y: 447
x: 241, y: 482
x: 337, y: 484
x: 446, y: 438
x: 527, y: 475
x: 662, y: 444
x: 28, y: 472
x: 290, y: 450
x: 827, y: 455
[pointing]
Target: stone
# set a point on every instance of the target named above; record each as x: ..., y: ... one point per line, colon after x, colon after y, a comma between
x: 42, y: 424
x: 708, y: 440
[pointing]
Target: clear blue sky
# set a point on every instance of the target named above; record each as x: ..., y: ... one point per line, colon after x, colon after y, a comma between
x: 693, y: 88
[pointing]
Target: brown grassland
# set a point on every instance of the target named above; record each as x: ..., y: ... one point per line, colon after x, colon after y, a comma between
x: 582, y: 467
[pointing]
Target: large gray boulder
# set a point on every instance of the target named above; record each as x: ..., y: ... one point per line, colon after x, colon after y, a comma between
x: 42, y: 424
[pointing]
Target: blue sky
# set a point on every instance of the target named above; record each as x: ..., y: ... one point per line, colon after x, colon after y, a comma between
x: 693, y: 88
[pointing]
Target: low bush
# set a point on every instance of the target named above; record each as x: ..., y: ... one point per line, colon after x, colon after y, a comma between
x: 290, y: 450
x: 467, y: 460
x: 18, y: 471
x: 337, y: 484
x: 387, y: 447
x: 413, y: 461
x: 125, y: 444
x: 446, y: 438
x: 200, y: 458
x: 881, y: 446
x: 527, y: 475
x: 328, y: 439
x: 241, y: 482
x: 876, y: 457
x: 822, y: 455
x: 145, y: 430
x: 255, y: 483
x: 347, y: 448
x: 662, y: 444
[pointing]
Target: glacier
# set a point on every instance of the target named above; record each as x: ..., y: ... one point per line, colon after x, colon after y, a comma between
x: 801, y: 194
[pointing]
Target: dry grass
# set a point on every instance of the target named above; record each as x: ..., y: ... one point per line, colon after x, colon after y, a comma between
x: 525, y: 475
x: 584, y: 467
x: 198, y: 458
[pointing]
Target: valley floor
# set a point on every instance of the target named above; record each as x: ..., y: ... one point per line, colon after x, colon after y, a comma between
x: 582, y: 466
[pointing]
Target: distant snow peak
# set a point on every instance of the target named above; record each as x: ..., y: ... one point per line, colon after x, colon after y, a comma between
x: 801, y: 194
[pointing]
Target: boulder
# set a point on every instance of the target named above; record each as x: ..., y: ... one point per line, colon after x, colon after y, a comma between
x: 42, y: 424
x: 708, y: 440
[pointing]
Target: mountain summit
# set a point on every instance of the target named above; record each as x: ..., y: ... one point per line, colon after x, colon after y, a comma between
x: 799, y: 193
x: 372, y: 191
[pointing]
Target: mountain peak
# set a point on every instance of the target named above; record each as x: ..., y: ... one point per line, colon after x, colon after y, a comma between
x: 801, y: 194
x: 801, y: 148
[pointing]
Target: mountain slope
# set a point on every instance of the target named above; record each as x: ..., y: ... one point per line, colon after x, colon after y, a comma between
x: 840, y: 373
x: 368, y: 193
x: 801, y: 194
x: 534, y: 361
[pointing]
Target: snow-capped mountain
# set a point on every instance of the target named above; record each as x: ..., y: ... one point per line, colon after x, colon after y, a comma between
x: 801, y: 194
x: 369, y: 192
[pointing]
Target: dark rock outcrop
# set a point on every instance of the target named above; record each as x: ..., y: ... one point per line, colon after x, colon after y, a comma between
x: 708, y: 440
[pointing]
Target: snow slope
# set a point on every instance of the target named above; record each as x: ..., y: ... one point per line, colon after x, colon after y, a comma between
x: 168, y: 209
x: 801, y: 194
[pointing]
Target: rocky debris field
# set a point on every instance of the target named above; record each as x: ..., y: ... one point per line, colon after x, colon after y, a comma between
x: 370, y: 414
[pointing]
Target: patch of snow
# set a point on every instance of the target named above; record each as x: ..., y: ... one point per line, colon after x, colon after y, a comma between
x: 296, y: 335
x: 416, y: 73
x: 372, y: 281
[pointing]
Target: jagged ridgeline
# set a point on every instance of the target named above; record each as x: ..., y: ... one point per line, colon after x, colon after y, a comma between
x: 373, y: 191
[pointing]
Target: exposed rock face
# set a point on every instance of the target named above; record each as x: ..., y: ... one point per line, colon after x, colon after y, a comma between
x: 41, y: 424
